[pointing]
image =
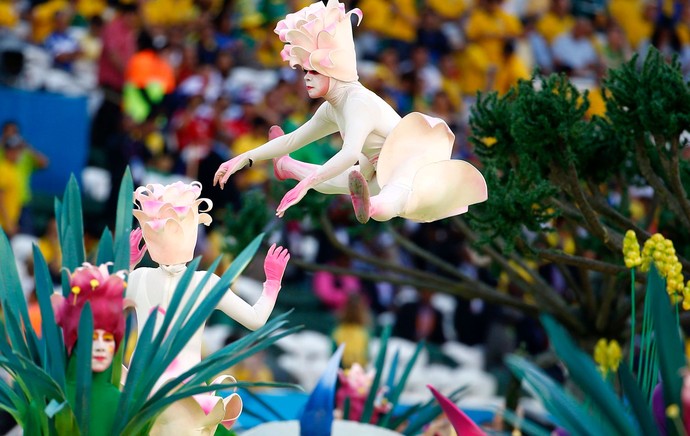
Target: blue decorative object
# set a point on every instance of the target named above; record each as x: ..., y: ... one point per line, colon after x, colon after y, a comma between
x: 317, y: 418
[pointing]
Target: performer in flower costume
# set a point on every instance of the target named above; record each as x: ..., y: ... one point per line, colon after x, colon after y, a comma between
x: 169, y: 217
x: 403, y: 163
x: 105, y: 292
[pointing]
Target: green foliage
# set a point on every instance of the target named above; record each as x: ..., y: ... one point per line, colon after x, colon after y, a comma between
x: 537, y: 146
x: 651, y: 100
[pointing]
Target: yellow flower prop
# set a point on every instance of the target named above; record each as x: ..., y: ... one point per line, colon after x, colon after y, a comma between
x: 608, y: 355
x: 631, y: 250
x: 659, y: 250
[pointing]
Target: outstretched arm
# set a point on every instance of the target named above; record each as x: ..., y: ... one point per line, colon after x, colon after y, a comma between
x: 320, y: 125
x: 255, y: 316
x: 360, y: 121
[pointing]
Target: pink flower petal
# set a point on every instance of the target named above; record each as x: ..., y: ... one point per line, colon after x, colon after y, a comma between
x: 207, y: 402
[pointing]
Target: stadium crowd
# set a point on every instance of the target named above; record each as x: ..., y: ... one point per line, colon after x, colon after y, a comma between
x: 176, y: 87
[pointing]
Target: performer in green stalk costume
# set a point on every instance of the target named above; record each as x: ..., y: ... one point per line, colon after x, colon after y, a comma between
x: 105, y: 292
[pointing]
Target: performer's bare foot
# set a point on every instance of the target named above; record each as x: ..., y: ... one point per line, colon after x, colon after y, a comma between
x: 273, y: 133
x: 359, y: 193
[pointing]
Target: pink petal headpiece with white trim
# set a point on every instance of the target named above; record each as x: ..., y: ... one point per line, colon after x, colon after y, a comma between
x: 320, y: 38
x: 169, y: 217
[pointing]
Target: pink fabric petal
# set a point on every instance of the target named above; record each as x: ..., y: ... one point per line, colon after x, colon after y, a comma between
x: 157, y: 225
x: 460, y: 422
x: 207, y: 402
x: 151, y: 207
x: 182, y: 210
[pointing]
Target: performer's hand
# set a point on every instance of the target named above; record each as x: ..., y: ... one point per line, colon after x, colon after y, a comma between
x: 293, y: 197
x: 274, y: 267
x: 229, y: 168
x: 136, y: 253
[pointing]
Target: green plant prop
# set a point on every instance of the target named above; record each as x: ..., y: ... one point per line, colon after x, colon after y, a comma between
x: 599, y: 409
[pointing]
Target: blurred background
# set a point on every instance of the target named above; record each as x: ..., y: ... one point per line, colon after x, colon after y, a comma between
x: 172, y: 88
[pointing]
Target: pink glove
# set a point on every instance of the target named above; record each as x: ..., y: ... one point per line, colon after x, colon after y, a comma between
x: 136, y: 253
x: 225, y: 170
x: 274, y: 267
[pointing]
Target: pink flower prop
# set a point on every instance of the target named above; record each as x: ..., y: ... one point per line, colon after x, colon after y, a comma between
x: 104, y: 290
x: 462, y: 424
x: 319, y: 38
x: 169, y: 217
x: 355, y: 384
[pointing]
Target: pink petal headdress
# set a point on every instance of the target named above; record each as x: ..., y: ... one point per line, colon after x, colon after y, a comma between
x: 319, y: 38
x: 105, y: 292
x: 169, y: 217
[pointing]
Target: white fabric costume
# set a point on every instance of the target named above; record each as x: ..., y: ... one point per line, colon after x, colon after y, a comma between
x: 405, y: 162
x: 169, y: 217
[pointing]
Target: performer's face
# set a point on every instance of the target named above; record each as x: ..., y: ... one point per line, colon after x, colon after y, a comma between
x: 317, y: 84
x: 103, y: 350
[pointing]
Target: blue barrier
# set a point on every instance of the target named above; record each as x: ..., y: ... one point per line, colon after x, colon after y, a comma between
x: 57, y: 126
x: 290, y: 404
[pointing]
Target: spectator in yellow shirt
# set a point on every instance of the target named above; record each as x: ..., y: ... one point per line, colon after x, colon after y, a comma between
x: 43, y: 16
x: 512, y: 70
x: 8, y: 14
x: 636, y: 18
x: 257, y: 175
x: 10, y: 187
x: 393, y: 20
x: 489, y: 27
x: 557, y: 21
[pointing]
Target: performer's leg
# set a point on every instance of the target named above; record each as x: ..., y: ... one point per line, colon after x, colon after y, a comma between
x: 389, y: 203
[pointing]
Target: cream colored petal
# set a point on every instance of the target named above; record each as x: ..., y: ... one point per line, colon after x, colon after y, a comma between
x: 416, y: 141
x: 233, y: 410
x: 205, y: 219
x: 300, y: 56
x: 444, y: 189
x: 301, y: 39
x: 141, y: 216
x: 344, y: 64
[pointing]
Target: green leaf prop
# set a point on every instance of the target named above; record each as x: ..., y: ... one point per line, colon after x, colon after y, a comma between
x: 68, y: 214
x: 51, y: 335
x: 83, y: 355
x: 640, y: 407
x: 565, y: 409
x: 106, y: 251
x: 368, y: 410
x: 584, y: 373
x: 669, y: 344
x: 123, y: 222
x: 11, y: 296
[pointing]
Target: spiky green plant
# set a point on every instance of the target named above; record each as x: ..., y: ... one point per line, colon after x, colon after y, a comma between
x: 35, y: 395
x: 597, y: 408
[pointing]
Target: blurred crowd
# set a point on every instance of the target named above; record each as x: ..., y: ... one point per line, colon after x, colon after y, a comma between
x: 176, y: 87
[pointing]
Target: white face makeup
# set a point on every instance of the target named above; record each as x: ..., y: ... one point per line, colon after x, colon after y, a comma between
x: 103, y: 350
x: 317, y: 84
